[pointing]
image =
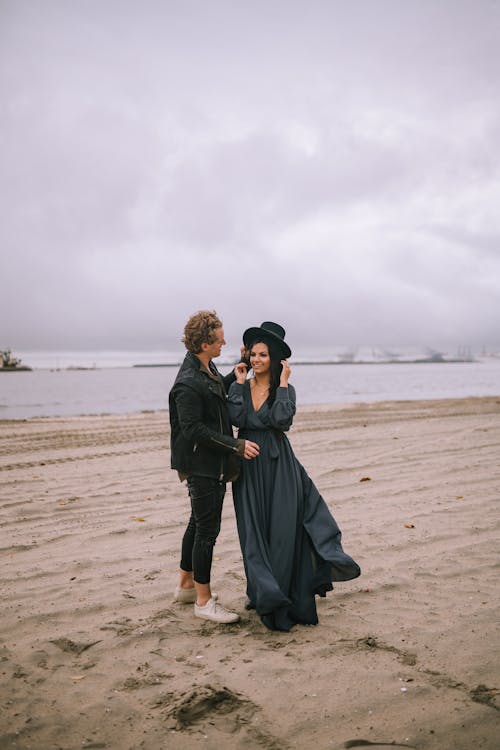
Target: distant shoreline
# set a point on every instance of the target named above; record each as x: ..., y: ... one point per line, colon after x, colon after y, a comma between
x: 429, y: 361
x: 326, y: 362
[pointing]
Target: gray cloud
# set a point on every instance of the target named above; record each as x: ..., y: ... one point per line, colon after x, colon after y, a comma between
x: 329, y: 165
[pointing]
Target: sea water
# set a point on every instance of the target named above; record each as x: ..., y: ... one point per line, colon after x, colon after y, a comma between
x: 114, y: 386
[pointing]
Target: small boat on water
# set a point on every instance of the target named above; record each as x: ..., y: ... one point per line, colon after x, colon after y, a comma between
x: 8, y: 363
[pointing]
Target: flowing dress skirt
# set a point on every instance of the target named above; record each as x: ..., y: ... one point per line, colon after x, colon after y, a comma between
x: 291, y: 543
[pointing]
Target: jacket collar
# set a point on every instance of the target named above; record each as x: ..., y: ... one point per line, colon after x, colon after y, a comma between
x: 193, y: 363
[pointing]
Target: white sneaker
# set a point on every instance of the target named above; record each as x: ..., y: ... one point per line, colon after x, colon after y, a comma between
x: 214, y: 611
x: 188, y: 596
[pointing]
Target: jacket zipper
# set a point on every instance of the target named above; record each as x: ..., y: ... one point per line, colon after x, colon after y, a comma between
x: 222, y: 455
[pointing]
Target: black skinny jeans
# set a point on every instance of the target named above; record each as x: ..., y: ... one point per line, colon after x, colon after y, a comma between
x: 207, y: 497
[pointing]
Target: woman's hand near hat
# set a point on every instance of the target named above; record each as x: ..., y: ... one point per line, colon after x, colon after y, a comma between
x: 240, y: 372
x: 285, y: 374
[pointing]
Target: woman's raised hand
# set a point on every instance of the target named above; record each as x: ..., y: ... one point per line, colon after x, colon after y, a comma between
x: 241, y: 369
x: 285, y: 374
x: 241, y: 372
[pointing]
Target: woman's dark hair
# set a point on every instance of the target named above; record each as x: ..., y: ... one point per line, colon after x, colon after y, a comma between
x: 275, y: 368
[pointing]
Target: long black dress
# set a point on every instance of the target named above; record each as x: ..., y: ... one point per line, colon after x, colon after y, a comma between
x: 290, y: 542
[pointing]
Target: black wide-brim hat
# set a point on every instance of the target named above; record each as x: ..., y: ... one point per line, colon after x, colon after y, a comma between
x: 268, y: 331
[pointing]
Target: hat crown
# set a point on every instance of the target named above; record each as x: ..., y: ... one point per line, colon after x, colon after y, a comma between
x: 273, y: 328
x: 271, y: 332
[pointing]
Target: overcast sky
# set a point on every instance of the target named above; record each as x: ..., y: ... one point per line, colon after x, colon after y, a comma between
x: 331, y: 165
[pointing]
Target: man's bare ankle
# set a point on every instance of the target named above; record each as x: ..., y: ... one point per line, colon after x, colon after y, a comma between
x: 186, y: 580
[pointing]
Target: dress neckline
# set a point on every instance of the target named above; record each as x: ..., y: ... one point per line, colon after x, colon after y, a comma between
x: 251, y: 398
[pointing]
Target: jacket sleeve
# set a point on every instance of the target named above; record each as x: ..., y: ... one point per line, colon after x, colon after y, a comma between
x: 283, y: 409
x: 236, y: 405
x: 189, y: 405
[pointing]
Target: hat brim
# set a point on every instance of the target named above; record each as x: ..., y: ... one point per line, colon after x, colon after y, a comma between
x: 252, y: 334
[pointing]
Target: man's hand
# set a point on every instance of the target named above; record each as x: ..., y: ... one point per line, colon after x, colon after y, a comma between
x: 241, y: 373
x: 251, y: 450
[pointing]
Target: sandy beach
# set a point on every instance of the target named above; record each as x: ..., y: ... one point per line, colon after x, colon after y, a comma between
x: 94, y: 653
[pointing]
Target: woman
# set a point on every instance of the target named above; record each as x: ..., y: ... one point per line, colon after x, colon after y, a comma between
x: 290, y: 542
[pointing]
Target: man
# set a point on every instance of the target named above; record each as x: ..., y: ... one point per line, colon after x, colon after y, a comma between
x: 206, y: 454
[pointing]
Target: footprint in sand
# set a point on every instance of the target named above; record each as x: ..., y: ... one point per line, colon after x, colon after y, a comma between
x: 224, y: 708
x: 69, y: 646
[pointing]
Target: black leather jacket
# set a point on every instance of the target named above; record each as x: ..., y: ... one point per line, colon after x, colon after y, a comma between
x: 201, y: 438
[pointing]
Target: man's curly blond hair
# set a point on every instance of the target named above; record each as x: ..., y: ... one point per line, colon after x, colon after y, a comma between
x: 201, y: 329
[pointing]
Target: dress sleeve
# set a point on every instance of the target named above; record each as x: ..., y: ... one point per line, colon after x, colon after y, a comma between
x: 236, y: 404
x: 283, y: 409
